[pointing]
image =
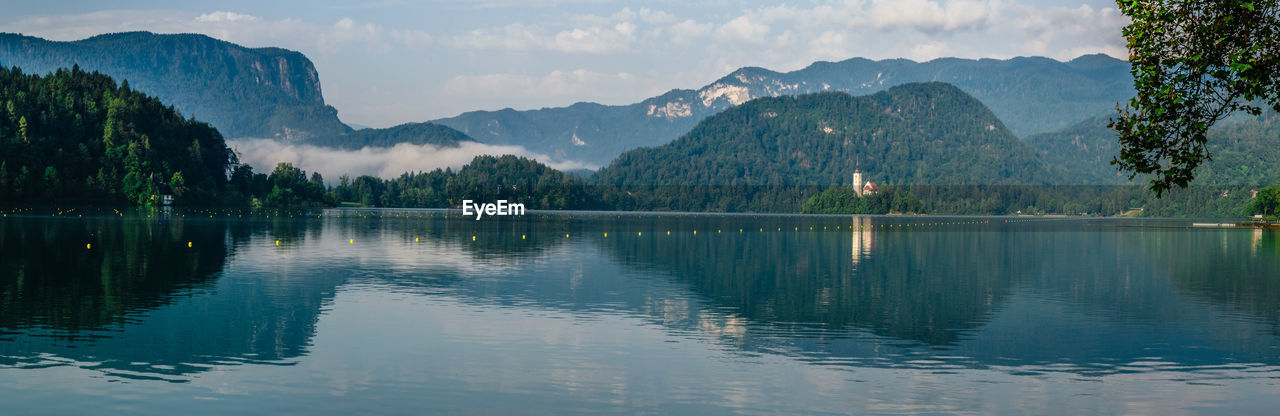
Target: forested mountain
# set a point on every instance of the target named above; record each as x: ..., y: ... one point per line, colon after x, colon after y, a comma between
x: 1246, y: 152
x: 77, y: 137
x: 930, y: 133
x: 264, y: 92
x: 412, y: 133
x: 1032, y: 95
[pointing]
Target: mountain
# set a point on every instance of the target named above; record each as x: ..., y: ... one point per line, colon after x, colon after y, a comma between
x: 1245, y: 152
x: 412, y: 133
x: 927, y: 133
x: 1033, y: 95
x: 264, y: 92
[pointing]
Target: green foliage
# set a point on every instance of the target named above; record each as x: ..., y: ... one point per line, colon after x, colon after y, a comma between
x: 912, y: 134
x: 286, y: 187
x: 1246, y: 149
x: 411, y: 133
x: 1267, y: 202
x: 75, y: 137
x: 485, y: 179
x: 265, y: 92
x: 842, y: 200
x: 1194, y: 63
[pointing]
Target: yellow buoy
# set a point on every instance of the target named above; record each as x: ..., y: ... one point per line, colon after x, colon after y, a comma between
x: 473, y: 238
x: 566, y: 236
x: 88, y: 246
x: 188, y: 244
x: 606, y: 235
x: 638, y: 233
x: 521, y: 236
x: 668, y: 232
x: 415, y: 239
x: 352, y: 241
x: 277, y: 242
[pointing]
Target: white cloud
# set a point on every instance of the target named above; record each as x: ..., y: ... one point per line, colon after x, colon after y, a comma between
x: 930, y: 16
x: 564, y: 84
x: 928, y: 50
x: 225, y: 17
x: 830, y: 45
x: 689, y: 31
x: 383, y: 162
x: 600, y: 39
x: 244, y: 29
x: 744, y: 29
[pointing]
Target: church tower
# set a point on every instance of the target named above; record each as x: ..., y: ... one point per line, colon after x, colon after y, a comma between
x: 857, y: 180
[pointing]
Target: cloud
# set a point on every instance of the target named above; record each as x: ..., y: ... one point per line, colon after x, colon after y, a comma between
x: 930, y: 16
x: 225, y: 17
x: 928, y: 50
x: 599, y: 39
x: 383, y: 162
x: 688, y: 31
x: 578, y: 83
x: 240, y: 28
x: 743, y: 28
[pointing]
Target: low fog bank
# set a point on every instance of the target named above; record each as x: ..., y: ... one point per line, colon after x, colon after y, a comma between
x: 383, y: 162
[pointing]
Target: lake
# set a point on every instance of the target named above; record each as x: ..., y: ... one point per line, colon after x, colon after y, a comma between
x: 426, y: 312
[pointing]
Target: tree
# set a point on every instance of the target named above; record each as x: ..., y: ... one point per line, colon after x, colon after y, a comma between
x: 1267, y: 201
x: 1194, y: 63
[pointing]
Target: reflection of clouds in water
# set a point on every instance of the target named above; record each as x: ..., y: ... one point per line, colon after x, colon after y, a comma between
x: 390, y: 252
x: 383, y: 162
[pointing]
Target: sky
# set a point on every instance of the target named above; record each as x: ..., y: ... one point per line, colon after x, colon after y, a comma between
x: 387, y: 62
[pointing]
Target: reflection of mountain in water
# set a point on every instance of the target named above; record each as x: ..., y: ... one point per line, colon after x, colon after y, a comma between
x: 1231, y: 268
x: 141, y: 303
x: 1077, y: 297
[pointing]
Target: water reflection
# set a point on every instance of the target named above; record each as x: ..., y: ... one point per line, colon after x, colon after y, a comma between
x: 145, y: 298
x: 1086, y: 298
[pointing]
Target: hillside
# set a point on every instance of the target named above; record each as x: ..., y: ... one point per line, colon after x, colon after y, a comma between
x: 265, y: 92
x: 412, y: 133
x: 1246, y: 151
x: 931, y: 133
x: 1032, y: 95
x: 77, y: 137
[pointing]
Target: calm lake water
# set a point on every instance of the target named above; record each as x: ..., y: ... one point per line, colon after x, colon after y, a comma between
x: 423, y: 312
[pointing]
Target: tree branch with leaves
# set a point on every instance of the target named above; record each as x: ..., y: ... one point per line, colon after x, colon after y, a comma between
x: 1194, y: 63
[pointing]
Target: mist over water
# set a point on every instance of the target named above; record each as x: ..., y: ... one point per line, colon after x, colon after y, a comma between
x: 383, y: 162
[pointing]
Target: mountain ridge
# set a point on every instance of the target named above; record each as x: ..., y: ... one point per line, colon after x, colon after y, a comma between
x: 257, y: 92
x: 1015, y: 89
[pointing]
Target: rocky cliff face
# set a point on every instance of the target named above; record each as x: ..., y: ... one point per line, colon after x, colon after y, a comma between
x: 265, y: 92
